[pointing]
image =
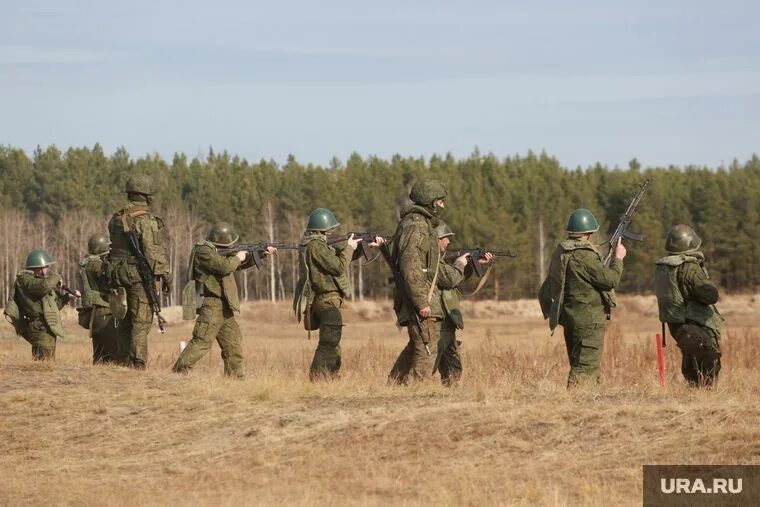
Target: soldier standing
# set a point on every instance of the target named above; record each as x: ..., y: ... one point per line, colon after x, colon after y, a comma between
x: 39, y: 295
x: 95, y: 312
x: 686, y: 301
x: 414, y: 249
x: 215, y: 274
x: 576, y: 294
x: 123, y: 272
x: 448, y: 362
x: 323, y: 285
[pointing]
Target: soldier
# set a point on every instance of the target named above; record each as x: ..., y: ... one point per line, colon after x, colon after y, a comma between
x: 124, y: 274
x: 414, y: 249
x: 447, y: 361
x: 576, y: 294
x: 39, y: 295
x: 95, y: 312
x: 215, y: 273
x: 323, y: 284
x: 686, y: 300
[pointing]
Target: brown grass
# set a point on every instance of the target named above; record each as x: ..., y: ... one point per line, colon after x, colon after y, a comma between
x: 77, y: 434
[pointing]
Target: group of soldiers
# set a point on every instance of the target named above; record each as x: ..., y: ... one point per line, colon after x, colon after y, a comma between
x: 117, y: 305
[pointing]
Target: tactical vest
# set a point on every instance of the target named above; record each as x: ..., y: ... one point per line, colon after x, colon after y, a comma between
x: 91, y: 296
x: 673, y: 307
x: 45, y: 309
x: 118, y: 227
x: 319, y: 282
x: 224, y: 287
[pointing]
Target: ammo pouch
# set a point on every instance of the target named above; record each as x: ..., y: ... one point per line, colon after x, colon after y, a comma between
x: 310, y: 319
x: 693, y: 339
x: 84, y: 316
x: 117, y: 301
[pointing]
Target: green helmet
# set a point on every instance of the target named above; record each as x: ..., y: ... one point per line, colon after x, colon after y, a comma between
x: 322, y: 219
x: 140, y: 184
x: 582, y: 221
x: 38, y: 259
x: 682, y: 238
x: 222, y: 234
x: 98, y: 244
x: 426, y: 192
x: 443, y: 230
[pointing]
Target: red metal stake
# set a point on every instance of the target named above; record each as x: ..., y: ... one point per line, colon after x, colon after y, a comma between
x: 660, y: 360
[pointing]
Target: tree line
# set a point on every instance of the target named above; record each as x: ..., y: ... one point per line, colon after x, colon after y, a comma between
x: 56, y: 199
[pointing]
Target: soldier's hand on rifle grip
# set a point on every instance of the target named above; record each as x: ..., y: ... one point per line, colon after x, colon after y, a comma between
x: 461, y: 261
x: 242, y: 255
x: 426, y: 311
x: 620, y: 250
x: 353, y: 242
x: 166, y: 283
x: 488, y: 257
x: 270, y: 250
x: 379, y: 240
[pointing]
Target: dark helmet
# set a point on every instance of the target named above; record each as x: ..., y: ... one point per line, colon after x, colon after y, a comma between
x: 443, y: 230
x: 682, y: 238
x: 38, y: 259
x: 425, y: 193
x: 222, y: 234
x: 140, y: 184
x: 582, y: 221
x: 98, y: 244
x: 322, y: 219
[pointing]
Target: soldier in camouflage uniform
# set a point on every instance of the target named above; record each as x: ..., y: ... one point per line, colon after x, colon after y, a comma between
x: 123, y: 272
x: 576, y: 294
x: 448, y: 362
x: 323, y: 284
x: 686, y: 299
x: 95, y: 312
x: 414, y: 249
x: 215, y: 275
x: 39, y: 296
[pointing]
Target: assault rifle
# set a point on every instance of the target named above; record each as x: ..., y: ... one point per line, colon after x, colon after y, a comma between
x: 625, y: 221
x: 365, y: 238
x: 255, y: 251
x: 147, y: 277
x: 69, y: 291
x: 402, y: 289
x: 476, y: 254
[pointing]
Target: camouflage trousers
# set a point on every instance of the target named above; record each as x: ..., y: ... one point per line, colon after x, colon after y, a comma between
x: 327, y: 358
x: 43, y: 341
x: 700, y: 348
x: 447, y: 360
x: 216, y: 321
x: 132, y: 332
x: 414, y: 362
x: 104, y: 335
x: 584, y: 344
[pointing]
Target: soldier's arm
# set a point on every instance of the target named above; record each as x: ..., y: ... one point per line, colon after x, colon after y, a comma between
x: 590, y: 268
x: 152, y: 233
x: 216, y: 264
x: 449, y: 276
x: 37, y: 288
x: 328, y: 260
x: 697, y: 285
x: 413, y: 246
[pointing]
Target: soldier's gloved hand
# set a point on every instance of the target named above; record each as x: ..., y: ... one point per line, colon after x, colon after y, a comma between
x: 242, y: 255
x: 461, y: 261
x: 270, y: 250
x: 166, y: 282
x: 353, y: 242
x: 425, y: 312
x: 485, y: 260
x: 620, y: 250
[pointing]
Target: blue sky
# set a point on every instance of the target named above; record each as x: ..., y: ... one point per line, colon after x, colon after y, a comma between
x: 669, y: 82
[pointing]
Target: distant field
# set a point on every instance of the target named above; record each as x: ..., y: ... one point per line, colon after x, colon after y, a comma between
x: 78, y: 434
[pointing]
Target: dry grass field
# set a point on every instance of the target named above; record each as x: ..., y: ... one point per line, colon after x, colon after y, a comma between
x: 510, y: 434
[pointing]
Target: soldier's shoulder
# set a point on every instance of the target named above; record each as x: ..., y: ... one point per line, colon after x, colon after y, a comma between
x: 586, y: 256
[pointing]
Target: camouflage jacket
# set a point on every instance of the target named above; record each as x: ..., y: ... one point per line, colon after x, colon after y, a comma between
x: 38, y: 299
x: 414, y: 248
x: 89, y: 273
x: 215, y: 273
x: 449, y: 278
x: 324, y: 265
x: 576, y: 292
x: 150, y: 229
